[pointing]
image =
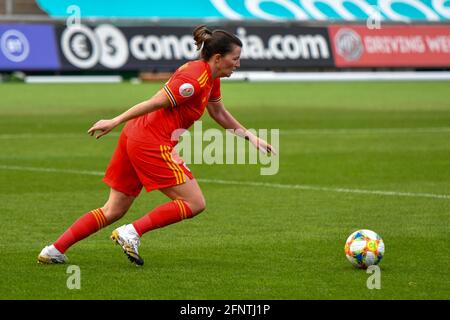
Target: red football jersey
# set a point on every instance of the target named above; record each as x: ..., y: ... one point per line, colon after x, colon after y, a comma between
x: 188, y: 90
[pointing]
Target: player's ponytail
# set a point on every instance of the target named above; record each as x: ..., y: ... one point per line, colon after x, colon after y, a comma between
x: 201, y: 35
x: 213, y: 42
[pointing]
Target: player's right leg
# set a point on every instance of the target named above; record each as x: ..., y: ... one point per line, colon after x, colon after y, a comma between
x: 125, y: 187
x: 117, y: 205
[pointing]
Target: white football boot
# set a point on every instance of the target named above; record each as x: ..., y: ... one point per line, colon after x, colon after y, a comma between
x: 127, y: 237
x: 51, y: 255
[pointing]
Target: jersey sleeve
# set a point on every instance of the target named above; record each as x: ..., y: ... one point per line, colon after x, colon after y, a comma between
x: 215, y: 95
x: 181, y: 88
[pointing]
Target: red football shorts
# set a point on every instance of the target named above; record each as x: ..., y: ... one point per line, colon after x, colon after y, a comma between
x: 135, y: 164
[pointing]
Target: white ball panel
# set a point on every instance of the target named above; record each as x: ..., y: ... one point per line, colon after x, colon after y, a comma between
x: 381, y: 247
x: 358, y: 246
x: 370, y: 258
x: 369, y: 233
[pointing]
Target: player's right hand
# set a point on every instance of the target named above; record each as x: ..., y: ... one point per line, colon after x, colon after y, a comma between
x: 104, y: 126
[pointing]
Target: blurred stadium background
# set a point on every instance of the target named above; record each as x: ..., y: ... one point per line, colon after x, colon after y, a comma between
x: 353, y: 154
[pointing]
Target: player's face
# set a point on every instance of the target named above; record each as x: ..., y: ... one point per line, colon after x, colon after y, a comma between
x: 229, y: 62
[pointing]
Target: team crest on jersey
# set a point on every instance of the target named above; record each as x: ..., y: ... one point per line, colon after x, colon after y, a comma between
x: 186, y: 90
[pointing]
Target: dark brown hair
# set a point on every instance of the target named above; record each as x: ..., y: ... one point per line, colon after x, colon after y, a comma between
x: 213, y: 42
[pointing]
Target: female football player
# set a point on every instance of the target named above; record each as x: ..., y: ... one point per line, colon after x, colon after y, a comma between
x: 145, y: 155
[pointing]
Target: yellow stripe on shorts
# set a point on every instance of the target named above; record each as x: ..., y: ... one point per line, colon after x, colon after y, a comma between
x: 166, y: 156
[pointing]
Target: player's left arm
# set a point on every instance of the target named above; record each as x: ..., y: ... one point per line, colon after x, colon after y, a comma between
x: 225, y: 119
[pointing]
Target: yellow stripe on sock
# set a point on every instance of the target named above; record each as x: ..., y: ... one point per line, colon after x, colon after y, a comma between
x: 181, y: 209
x: 184, y: 209
x: 102, y: 217
x: 96, y: 219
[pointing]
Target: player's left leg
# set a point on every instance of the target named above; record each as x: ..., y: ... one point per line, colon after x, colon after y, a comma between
x: 187, y: 201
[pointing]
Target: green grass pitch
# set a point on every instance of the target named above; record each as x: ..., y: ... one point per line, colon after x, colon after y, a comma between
x: 280, y: 240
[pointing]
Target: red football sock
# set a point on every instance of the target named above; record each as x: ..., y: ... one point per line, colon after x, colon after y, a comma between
x: 168, y: 213
x: 82, y: 228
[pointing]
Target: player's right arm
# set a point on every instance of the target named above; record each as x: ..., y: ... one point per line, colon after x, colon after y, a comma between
x: 158, y: 101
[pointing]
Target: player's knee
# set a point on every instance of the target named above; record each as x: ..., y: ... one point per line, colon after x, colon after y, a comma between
x: 114, y: 213
x: 197, y: 205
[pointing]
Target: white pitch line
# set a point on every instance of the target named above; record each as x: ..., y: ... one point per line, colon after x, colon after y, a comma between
x: 52, y: 170
x: 252, y: 184
x: 8, y: 136
x: 327, y: 189
x: 366, y: 130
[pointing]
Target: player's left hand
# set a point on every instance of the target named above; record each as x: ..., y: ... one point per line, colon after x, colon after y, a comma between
x: 104, y: 126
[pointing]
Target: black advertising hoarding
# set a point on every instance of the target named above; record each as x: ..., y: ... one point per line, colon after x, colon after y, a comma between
x: 284, y: 47
x: 107, y: 47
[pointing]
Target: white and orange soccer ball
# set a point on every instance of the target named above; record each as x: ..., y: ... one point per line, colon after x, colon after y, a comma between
x: 364, y: 248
